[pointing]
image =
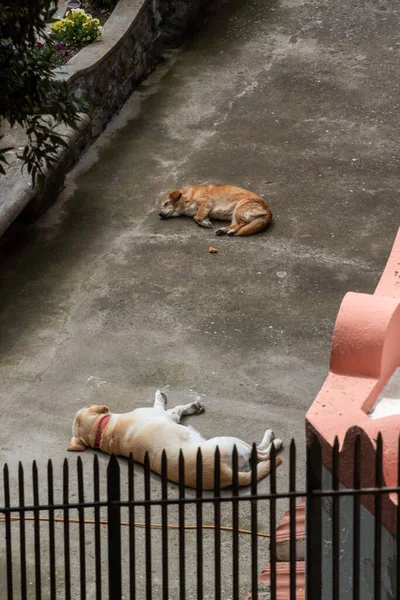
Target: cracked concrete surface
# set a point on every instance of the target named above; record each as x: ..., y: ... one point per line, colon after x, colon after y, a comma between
x: 101, y: 302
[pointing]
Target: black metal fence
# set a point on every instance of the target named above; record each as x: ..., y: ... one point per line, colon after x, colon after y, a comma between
x: 203, y: 545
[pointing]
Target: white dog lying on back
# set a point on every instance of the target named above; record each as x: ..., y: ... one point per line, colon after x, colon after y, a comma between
x: 153, y: 430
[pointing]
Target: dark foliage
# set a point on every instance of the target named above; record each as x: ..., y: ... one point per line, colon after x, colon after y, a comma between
x: 29, y: 93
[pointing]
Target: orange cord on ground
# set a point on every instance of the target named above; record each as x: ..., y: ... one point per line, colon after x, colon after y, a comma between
x: 125, y: 523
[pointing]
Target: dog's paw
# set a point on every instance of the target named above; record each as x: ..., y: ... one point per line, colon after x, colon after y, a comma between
x: 198, y: 408
x: 271, y: 435
x: 231, y: 232
x: 278, y: 444
x: 206, y: 223
x: 161, y: 397
x: 221, y: 231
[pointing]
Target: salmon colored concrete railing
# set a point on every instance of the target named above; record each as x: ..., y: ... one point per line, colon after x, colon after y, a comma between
x: 365, y: 353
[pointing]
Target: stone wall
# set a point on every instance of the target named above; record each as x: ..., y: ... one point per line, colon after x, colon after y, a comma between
x: 178, y: 18
x: 109, y: 70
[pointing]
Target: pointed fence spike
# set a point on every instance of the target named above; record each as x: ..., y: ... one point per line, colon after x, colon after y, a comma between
x: 181, y: 469
x: 378, y: 461
x: 217, y: 470
x: 335, y: 464
x: 164, y: 464
x: 199, y: 472
x: 253, y: 468
x: 292, y: 466
x: 272, y: 458
x: 146, y: 461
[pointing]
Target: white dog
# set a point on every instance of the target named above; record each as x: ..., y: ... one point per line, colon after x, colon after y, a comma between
x: 153, y: 430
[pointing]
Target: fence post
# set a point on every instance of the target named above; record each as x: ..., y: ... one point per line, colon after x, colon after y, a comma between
x: 114, y: 530
x: 314, y: 521
x: 8, y: 534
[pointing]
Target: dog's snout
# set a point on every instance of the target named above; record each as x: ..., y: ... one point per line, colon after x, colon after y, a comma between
x: 163, y: 215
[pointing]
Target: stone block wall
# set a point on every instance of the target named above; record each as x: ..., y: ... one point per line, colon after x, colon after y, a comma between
x: 178, y: 17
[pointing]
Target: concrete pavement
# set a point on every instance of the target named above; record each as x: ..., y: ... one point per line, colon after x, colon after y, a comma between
x: 103, y: 302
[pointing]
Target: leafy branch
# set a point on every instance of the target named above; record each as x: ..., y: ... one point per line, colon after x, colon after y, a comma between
x: 29, y: 93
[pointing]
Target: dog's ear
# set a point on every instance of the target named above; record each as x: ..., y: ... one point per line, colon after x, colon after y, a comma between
x: 97, y: 408
x: 175, y: 195
x: 76, y: 445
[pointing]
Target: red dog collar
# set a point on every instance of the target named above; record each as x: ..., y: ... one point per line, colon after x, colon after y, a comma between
x: 103, y: 423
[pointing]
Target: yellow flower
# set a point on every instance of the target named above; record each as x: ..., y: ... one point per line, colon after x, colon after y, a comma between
x: 57, y: 26
x: 96, y: 21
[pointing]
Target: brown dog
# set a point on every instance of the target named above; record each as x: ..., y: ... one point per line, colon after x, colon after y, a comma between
x: 249, y: 213
x: 153, y: 430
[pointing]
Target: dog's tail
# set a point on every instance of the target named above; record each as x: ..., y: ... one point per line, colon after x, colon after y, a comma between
x: 255, y: 226
x: 244, y: 477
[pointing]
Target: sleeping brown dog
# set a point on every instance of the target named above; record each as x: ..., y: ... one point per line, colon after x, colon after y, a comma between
x: 153, y: 430
x: 248, y: 212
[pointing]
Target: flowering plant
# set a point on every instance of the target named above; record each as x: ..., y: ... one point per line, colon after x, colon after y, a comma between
x: 77, y: 26
x: 54, y: 54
